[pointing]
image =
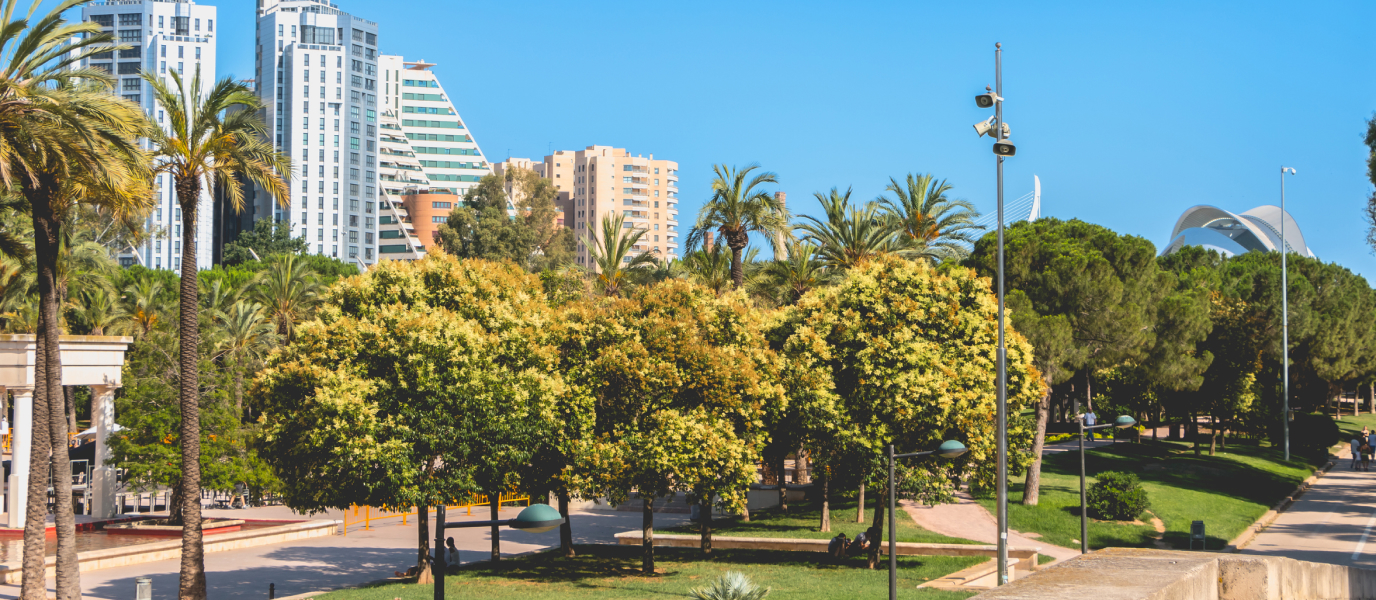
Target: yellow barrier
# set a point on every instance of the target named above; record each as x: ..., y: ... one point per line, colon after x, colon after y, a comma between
x: 368, y: 515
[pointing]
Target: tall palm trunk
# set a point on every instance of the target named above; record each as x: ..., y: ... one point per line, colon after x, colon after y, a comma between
x: 1031, y: 489
x: 192, y: 581
x: 34, y: 586
x: 47, y: 236
x: 69, y: 392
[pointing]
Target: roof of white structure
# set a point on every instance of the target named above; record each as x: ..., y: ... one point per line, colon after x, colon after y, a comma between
x: 1256, y: 230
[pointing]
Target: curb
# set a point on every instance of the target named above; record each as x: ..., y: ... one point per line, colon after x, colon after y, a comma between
x: 1249, y: 534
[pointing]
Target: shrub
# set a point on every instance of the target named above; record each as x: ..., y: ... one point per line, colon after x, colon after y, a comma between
x: 1311, y: 431
x: 730, y: 586
x: 1117, y: 496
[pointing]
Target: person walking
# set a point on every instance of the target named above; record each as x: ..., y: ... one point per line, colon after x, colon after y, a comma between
x: 1090, y: 421
x: 1366, y: 451
x: 1356, y: 452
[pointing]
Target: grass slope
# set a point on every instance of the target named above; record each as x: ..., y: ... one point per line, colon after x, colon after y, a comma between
x: 804, y: 520
x: 614, y: 572
x: 1227, y: 491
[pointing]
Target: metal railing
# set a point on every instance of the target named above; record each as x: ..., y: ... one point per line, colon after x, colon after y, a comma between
x: 367, y: 514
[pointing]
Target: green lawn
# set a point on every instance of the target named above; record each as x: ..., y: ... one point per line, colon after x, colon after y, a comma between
x: 614, y: 572
x: 1351, y: 426
x: 1227, y: 491
x: 804, y: 520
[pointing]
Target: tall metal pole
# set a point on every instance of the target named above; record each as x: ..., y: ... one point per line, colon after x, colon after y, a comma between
x: 1084, y: 508
x: 1285, y: 317
x: 893, y: 535
x: 1003, y: 367
x: 437, y: 570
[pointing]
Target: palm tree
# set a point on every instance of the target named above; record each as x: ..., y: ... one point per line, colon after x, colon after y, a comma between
x: 710, y: 268
x: 849, y: 235
x: 786, y: 280
x: 246, y: 332
x: 611, y: 254
x: 97, y: 309
x: 738, y: 208
x: 59, y: 125
x: 206, y: 145
x: 931, y: 225
x: 141, y: 301
x: 287, y: 291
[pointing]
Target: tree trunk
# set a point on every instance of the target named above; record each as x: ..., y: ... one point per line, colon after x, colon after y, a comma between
x: 192, y: 576
x: 1031, y: 489
x: 69, y: 393
x: 494, y: 500
x: 1194, y: 431
x: 878, y: 527
x: 826, y: 504
x: 860, y: 506
x: 47, y: 234
x: 802, y: 468
x: 423, y: 573
x: 1213, y: 435
x: 34, y: 586
x: 238, y: 390
x: 565, y: 528
x: 705, y: 523
x: 783, y: 489
x: 647, y: 529
x: 737, y: 266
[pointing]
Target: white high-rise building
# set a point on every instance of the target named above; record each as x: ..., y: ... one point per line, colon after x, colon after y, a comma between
x: 163, y: 35
x: 317, y: 73
x: 442, y: 142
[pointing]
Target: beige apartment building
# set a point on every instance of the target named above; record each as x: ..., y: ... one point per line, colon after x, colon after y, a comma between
x: 601, y: 180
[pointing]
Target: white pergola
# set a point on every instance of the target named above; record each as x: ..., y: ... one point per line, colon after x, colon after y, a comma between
x: 95, y: 361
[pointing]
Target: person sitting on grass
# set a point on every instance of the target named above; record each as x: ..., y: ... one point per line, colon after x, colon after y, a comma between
x: 864, y: 541
x: 453, y: 557
x: 837, y: 547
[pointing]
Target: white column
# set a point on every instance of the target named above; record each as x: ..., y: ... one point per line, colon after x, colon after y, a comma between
x: 103, y: 475
x: 21, y: 440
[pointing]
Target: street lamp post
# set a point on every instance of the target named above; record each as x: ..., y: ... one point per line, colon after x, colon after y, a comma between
x: 1285, y: 316
x: 996, y: 128
x: 536, y: 518
x: 949, y: 449
x: 1122, y: 422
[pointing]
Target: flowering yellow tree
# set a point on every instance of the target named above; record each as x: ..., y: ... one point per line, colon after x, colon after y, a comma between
x: 417, y: 383
x: 911, y: 352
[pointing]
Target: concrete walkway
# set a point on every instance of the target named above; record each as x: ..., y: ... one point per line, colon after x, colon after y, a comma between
x: 968, y: 519
x: 1331, y: 523
x: 339, y: 561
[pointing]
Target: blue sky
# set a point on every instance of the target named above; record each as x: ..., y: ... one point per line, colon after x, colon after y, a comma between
x: 1129, y: 112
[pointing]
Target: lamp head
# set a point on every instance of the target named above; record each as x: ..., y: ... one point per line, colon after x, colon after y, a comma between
x: 1124, y: 422
x: 950, y: 449
x: 538, y: 518
x: 1287, y: 169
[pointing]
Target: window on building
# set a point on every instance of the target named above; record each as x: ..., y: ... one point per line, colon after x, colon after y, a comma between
x: 103, y: 20
x: 182, y: 25
x: 132, y: 19
x: 130, y: 35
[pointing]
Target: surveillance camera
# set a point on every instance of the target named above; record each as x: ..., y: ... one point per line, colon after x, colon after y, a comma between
x: 1005, y: 148
x: 985, y: 127
x: 985, y: 100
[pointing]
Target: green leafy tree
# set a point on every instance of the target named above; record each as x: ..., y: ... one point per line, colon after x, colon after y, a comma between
x: 205, y: 144
x: 911, y: 357
x: 484, y: 226
x: 267, y: 238
x: 931, y: 225
x: 737, y: 208
x: 418, y: 383
x: 672, y: 417
x: 287, y: 289
x: 1084, y: 294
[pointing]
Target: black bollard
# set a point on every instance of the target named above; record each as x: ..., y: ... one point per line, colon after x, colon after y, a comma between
x: 440, y: 563
x: 272, y: 591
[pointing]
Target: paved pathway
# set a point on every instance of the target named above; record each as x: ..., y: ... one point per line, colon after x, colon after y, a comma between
x: 1333, y: 522
x: 338, y: 561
